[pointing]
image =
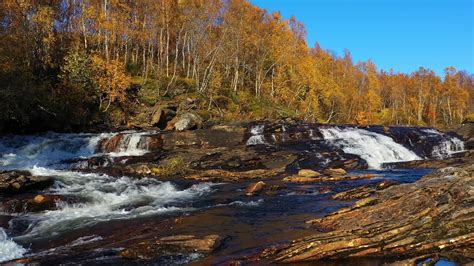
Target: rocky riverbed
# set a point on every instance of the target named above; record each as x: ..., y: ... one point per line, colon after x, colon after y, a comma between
x: 257, y: 192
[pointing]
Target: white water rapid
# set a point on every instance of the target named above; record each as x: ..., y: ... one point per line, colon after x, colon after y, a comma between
x: 375, y: 148
x: 448, y: 147
x: 8, y: 248
x: 95, y: 197
x: 257, y: 137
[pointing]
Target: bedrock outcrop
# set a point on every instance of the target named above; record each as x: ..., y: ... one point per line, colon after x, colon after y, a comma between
x: 431, y: 217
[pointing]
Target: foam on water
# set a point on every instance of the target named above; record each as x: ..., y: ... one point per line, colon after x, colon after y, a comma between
x: 105, y: 198
x: 24, y: 152
x: 375, y: 148
x: 9, y: 250
x: 52, y: 149
x: 257, y: 137
x: 448, y: 147
x: 130, y: 145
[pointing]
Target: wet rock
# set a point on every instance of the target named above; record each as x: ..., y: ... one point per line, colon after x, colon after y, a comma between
x: 324, y: 190
x: 363, y: 191
x: 308, y: 173
x: 178, y: 244
x: 334, y: 172
x: 185, y: 121
x: 111, y: 144
x: 431, y: 216
x: 142, y: 170
x: 19, y: 181
x: 254, y: 188
x: 230, y: 176
x: 38, y: 203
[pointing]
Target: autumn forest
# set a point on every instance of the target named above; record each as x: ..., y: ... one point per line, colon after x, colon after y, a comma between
x: 71, y: 64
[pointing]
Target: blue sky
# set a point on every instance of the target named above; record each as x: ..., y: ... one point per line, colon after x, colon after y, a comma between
x: 398, y: 34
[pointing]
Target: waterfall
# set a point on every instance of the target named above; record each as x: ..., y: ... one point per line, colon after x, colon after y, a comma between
x: 52, y: 149
x: 447, y: 147
x: 375, y: 148
x: 130, y: 144
x: 24, y: 152
x: 257, y: 137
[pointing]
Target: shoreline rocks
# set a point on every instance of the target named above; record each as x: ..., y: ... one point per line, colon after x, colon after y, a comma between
x: 433, y: 216
x: 21, y: 181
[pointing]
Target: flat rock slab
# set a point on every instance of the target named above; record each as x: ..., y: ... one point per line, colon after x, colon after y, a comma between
x: 434, y: 215
x: 363, y: 191
x: 172, y: 245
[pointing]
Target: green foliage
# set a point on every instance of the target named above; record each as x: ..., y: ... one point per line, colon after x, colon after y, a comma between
x: 77, y: 72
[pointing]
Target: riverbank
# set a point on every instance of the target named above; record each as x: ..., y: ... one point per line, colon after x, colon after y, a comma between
x: 213, y: 195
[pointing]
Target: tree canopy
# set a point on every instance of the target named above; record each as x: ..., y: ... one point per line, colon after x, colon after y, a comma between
x: 70, y: 60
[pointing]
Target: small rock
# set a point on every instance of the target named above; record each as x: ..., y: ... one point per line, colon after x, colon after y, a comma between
x: 39, y: 199
x: 308, y: 173
x: 254, y: 188
x: 335, y: 172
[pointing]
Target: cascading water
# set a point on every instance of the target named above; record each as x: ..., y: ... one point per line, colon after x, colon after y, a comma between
x: 8, y: 248
x: 257, y: 137
x: 130, y: 145
x: 374, y: 148
x: 447, y: 147
x: 106, y: 198
x: 102, y: 197
x: 24, y: 152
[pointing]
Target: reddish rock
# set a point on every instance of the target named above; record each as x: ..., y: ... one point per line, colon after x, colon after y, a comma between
x: 254, y: 188
x: 335, y: 172
x: 308, y: 173
x: 111, y: 144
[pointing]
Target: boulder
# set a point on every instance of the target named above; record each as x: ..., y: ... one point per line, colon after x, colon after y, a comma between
x: 111, y: 144
x: 161, y: 116
x: 335, y: 172
x: 185, y: 121
x: 19, y: 181
x: 254, y: 188
x: 308, y: 173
